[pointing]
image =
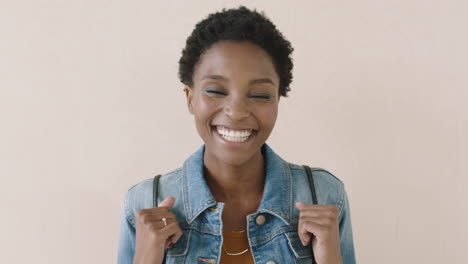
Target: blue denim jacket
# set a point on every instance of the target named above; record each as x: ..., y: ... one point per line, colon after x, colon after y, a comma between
x: 199, y: 214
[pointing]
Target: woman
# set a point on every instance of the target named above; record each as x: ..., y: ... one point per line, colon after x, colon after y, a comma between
x: 235, y: 200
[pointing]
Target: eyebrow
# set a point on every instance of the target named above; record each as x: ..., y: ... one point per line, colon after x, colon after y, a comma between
x: 222, y: 78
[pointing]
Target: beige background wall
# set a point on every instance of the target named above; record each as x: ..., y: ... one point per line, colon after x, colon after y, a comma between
x: 90, y: 104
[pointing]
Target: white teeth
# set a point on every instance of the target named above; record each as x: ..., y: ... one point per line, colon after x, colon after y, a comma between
x: 234, y: 136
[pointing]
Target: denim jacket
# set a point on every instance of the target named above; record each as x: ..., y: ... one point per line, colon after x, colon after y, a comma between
x: 274, y: 240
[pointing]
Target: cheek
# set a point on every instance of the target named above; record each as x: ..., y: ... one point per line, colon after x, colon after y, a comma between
x: 204, y: 108
x: 267, y: 115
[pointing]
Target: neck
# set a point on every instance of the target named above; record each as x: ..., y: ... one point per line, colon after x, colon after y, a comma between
x: 235, y: 182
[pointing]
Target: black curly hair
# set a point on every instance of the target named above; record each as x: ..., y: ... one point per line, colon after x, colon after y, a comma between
x: 238, y: 24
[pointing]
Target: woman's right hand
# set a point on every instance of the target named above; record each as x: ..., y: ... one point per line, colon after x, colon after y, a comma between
x: 152, y: 237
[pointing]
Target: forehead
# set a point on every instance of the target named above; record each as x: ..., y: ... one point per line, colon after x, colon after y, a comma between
x: 235, y: 60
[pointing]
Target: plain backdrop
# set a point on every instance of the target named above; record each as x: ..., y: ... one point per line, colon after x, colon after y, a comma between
x: 90, y: 104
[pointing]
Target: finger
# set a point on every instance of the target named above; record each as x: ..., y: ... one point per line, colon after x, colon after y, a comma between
x: 323, y: 221
x: 151, y: 211
x: 327, y: 211
x: 173, y: 239
x: 300, y: 205
x: 168, y: 243
x: 176, y: 236
x: 303, y: 234
x: 153, y: 218
x: 315, y: 229
x: 168, y: 222
x: 168, y: 202
x: 328, y: 214
x: 303, y: 206
x: 170, y: 230
x: 305, y: 238
x: 163, y: 214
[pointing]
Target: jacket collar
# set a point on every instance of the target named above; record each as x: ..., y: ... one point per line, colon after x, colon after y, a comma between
x: 277, y: 193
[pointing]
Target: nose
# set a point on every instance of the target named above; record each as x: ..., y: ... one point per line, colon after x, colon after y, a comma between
x: 237, y: 109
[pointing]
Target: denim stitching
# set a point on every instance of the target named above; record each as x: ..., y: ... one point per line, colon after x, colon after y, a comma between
x: 184, y: 196
x: 274, y: 233
x: 296, y: 252
x: 276, y: 256
x: 205, y: 230
x: 127, y: 214
x: 330, y: 174
x: 341, y: 202
x: 173, y: 171
x: 202, y: 208
x: 287, y: 172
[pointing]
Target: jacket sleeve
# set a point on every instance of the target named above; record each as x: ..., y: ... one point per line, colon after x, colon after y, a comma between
x: 346, y: 233
x: 126, y: 248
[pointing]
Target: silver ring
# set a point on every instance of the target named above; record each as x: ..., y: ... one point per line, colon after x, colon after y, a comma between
x: 164, y: 220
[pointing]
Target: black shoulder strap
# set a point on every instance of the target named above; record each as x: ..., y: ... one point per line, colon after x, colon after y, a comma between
x: 155, y: 202
x: 155, y: 190
x: 314, y: 196
x: 311, y: 183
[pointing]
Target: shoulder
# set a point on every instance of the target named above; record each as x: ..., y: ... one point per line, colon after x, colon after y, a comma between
x: 319, y: 175
x: 140, y: 195
x: 323, y: 173
x: 329, y: 188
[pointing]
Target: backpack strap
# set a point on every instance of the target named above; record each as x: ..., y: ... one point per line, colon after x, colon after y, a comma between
x: 155, y: 190
x: 311, y: 183
x: 314, y: 195
x: 155, y: 202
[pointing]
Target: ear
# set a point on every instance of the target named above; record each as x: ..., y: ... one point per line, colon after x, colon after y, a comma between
x: 189, y: 95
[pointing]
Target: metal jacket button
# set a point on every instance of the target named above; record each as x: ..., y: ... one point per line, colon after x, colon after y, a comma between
x: 260, y: 220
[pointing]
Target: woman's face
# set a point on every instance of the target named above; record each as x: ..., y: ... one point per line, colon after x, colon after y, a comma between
x: 234, y: 100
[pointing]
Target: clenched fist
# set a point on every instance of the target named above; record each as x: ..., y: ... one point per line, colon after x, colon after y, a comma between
x: 152, y: 235
x: 319, y: 223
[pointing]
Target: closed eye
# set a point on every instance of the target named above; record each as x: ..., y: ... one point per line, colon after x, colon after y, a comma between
x: 214, y: 91
x: 262, y: 96
x: 254, y: 96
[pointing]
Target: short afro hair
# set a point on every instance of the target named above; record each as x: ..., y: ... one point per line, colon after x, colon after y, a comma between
x: 238, y: 24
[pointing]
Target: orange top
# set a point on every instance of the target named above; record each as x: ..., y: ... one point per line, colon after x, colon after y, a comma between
x: 235, y: 242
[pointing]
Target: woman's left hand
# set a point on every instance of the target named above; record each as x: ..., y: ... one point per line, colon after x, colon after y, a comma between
x: 320, y: 223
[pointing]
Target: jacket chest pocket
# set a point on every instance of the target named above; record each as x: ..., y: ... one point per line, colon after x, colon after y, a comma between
x: 302, y: 254
x: 178, y: 253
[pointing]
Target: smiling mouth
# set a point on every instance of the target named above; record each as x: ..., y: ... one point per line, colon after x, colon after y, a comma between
x: 234, y: 136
